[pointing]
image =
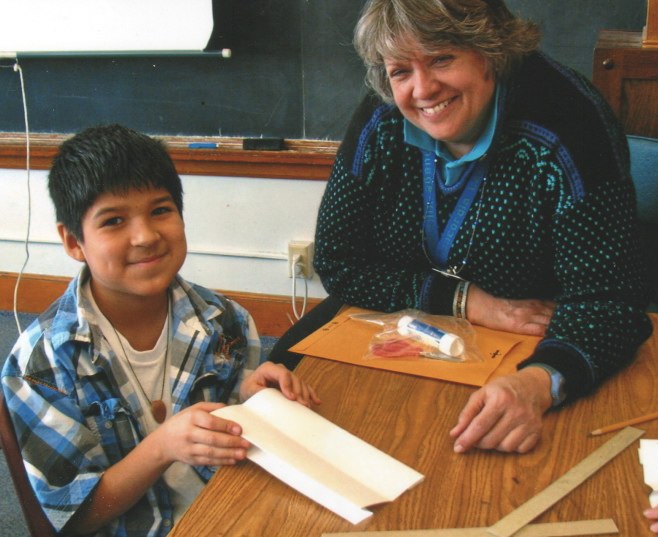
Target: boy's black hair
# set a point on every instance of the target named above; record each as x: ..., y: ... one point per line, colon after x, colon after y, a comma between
x: 110, y: 158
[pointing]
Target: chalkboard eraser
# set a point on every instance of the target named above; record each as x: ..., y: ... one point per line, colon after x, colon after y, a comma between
x: 264, y: 144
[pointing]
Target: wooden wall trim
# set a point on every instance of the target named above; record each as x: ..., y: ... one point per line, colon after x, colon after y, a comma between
x: 272, y: 313
x: 302, y: 159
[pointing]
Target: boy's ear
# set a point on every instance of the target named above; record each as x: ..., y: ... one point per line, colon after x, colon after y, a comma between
x: 72, y: 245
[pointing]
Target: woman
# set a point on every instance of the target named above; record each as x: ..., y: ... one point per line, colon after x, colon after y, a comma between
x: 486, y: 181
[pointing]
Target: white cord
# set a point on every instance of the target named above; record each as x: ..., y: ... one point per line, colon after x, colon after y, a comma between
x: 296, y: 270
x: 17, y: 68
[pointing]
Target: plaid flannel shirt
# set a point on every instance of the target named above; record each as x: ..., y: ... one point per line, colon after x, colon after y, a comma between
x: 76, y: 415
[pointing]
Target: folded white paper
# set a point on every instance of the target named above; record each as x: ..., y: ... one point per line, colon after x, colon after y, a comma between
x: 317, y: 458
x: 649, y: 460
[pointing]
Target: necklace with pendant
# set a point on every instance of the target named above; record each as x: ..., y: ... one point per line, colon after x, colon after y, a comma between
x: 158, y: 407
x: 453, y: 271
x: 473, y: 180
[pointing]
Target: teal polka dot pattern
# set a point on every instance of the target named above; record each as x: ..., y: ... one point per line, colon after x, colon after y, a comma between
x: 551, y: 226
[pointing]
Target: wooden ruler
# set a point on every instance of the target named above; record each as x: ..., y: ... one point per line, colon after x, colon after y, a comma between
x: 525, y: 513
x: 550, y: 529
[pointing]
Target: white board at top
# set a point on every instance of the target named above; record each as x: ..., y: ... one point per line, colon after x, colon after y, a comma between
x: 104, y: 25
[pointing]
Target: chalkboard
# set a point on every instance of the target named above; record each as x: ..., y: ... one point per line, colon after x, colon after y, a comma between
x: 293, y: 73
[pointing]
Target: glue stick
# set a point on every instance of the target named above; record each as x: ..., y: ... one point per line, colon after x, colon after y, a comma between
x: 445, y: 342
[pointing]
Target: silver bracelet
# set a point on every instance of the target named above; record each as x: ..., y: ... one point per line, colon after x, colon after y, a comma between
x: 459, y: 302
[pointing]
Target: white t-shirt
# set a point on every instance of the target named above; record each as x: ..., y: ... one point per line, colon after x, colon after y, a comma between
x: 149, y: 367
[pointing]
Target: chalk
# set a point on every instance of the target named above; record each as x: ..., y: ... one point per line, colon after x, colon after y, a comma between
x: 202, y: 145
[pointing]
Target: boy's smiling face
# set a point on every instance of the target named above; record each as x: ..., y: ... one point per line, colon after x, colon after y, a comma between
x: 134, y: 244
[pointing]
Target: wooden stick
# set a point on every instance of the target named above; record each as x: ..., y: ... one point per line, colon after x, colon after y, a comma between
x: 548, y: 529
x: 510, y: 524
x: 622, y: 424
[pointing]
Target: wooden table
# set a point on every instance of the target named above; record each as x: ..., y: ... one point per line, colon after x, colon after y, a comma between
x: 409, y: 418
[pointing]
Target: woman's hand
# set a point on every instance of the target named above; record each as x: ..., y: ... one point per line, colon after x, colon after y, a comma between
x: 652, y: 514
x: 528, y: 317
x: 505, y: 414
x: 271, y: 375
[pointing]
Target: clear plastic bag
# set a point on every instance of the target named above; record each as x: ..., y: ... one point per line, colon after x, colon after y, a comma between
x: 414, y: 334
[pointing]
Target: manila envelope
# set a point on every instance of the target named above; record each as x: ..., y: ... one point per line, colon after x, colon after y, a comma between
x: 346, y: 340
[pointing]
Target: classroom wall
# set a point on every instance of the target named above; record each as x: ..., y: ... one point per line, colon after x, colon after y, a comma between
x: 238, y: 228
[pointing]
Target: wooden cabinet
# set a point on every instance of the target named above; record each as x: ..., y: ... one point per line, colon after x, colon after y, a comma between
x: 627, y: 75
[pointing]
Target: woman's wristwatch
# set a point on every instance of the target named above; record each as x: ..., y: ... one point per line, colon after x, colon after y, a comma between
x: 558, y: 388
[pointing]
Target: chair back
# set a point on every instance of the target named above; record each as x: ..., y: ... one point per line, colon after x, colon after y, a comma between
x: 36, y: 520
x: 644, y: 169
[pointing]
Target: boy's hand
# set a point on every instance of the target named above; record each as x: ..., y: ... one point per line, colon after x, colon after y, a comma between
x: 271, y: 375
x: 652, y: 515
x: 197, y: 437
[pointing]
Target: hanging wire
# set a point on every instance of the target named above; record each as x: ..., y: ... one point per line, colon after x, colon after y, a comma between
x: 19, y: 70
x: 295, y: 270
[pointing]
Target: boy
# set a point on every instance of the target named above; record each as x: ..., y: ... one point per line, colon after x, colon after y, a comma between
x: 111, y: 389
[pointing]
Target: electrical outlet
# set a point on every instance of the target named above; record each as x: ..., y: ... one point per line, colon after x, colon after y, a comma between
x: 304, y: 249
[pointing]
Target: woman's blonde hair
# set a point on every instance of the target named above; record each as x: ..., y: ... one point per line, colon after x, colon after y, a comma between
x: 394, y: 28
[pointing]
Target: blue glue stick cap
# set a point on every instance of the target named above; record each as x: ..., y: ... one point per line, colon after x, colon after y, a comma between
x: 445, y: 342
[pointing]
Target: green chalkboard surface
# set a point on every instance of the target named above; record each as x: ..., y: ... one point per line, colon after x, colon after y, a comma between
x: 293, y: 73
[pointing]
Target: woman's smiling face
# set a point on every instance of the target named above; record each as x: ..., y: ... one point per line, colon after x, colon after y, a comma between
x: 449, y: 95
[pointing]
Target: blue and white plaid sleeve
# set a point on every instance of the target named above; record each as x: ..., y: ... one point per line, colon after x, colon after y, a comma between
x: 62, y: 456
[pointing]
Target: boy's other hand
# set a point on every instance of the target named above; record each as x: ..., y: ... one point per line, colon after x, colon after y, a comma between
x: 271, y: 375
x: 652, y: 515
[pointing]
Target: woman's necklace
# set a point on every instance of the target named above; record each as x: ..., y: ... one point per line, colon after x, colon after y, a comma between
x: 158, y: 408
x: 441, y: 242
x: 453, y: 271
